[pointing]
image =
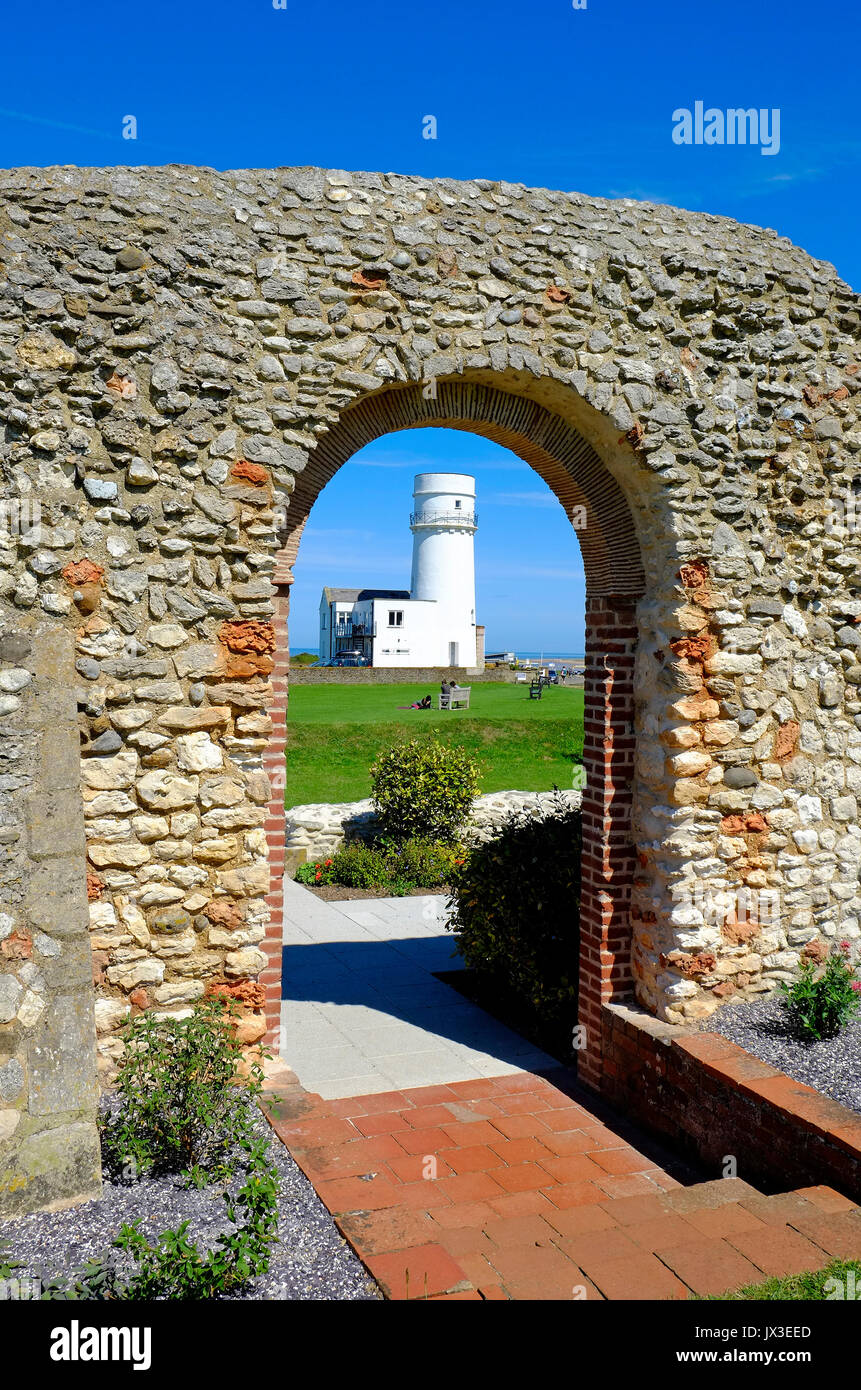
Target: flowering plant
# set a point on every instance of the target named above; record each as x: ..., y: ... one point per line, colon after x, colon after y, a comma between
x: 825, y: 997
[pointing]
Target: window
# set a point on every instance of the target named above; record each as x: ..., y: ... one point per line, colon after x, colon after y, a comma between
x: 396, y: 617
x: 457, y: 505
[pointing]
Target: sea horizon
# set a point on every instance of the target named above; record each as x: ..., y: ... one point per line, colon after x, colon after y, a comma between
x: 521, y: 655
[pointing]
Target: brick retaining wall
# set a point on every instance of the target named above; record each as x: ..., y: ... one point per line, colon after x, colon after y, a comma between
x: 713, y: 1099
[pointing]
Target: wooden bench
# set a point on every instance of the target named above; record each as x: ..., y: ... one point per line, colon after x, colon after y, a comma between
x: 455, y: 699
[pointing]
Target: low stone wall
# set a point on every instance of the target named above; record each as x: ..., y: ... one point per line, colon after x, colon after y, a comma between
x: 432, y: 676
x: 408, y: 675
x: 315, y: 831
x: 715, y: 1100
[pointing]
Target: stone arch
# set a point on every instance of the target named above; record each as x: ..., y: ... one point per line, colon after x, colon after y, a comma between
x: 615, y: 580
x: 181, y: 347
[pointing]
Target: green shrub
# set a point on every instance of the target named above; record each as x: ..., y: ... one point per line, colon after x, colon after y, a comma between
x: 824, y: 997
x: 395, y: 867
x: 183, y: 1106
x: 359, y: 865
x: 516, y: 908
x: 173, y: 1267
x: 424, y: 863
x: 424, y: 789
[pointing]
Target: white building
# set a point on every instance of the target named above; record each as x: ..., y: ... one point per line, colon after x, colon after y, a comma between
x: 433, y: 622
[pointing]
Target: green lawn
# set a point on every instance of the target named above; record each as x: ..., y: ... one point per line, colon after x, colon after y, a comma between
x: 840, y: 1280
x: 334, y: 733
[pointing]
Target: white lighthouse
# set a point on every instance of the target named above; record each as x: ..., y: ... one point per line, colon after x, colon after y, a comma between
x: 431, y: 624
x: 443, y: 524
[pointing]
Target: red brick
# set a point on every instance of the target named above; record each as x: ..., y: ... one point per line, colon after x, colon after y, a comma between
x: 417, y: 1273
x: 411, y: 1168
x: 572, y: 1168
x: 710, y: 1266
x: 637, y: 1276
x: 522, y: 1151
x: 519, y: 1230
x: 423, y: 1141
x: 375, y: 1233
x: 530, y: 1203
x: 778, y: 1250
x: 837, y: 1232
x: 573, y: 1194
x: 474, y: 1158
x: 522, y: 1177
x: 383, y: 1122
x: 472, y: 1187
x: 352, y: 1194
x: 462, y: 1133
x: 619, y: 1161
x: 577, y: 1221
x: 724, y: 1221
x: 455, y: 1215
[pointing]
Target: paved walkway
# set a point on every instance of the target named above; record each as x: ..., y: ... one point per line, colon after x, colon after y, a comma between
x: 510, y: 1188
x: 460, y: 1163
x: 362, y: 1011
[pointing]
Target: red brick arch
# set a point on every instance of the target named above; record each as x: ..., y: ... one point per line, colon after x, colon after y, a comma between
x: 570, y: 465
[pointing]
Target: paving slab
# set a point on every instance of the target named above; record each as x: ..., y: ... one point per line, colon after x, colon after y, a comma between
x: 362, y: 1007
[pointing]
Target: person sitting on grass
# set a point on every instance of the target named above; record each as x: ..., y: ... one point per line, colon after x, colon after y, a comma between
x: 424, y: 703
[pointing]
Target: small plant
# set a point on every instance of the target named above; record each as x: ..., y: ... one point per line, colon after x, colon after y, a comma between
x: 395, y: 867
x: 183, y: 1104
x: 824, y: 997
x: 516, y: 908
x: 320, y: 873
x: 424, y: 789
x: 424, y: 863
x: 359, y: 865
x: 174, y: 1268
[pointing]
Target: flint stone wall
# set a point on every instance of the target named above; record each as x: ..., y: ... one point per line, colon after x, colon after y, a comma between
x: 319, y: 829
x: 187, y: 357
x: 49, y: 1149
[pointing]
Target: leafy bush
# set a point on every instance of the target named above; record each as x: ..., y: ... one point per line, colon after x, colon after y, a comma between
x: 424, y: 789
x: 424, y: 863
x: 516, y: 912
x: 183, y: 1105
x: 359, y: 865
x: 174, y: 1268
x: 393, y: 866
x: 824, y: 998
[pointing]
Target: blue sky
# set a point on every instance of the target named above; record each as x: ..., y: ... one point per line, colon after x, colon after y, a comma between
x: 539, y: 93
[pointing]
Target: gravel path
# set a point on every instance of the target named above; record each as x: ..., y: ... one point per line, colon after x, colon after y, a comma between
x: 832, y: 1066
x: 312, y: 1261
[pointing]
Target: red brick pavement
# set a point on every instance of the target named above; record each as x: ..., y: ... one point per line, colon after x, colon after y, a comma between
x: 511, y: 1189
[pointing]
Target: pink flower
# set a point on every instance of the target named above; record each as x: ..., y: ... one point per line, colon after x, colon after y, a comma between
x: 844, y: 946
x: 856, y: 985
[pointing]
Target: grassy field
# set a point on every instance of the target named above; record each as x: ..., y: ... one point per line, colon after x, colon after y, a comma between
x: 334, y: 733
